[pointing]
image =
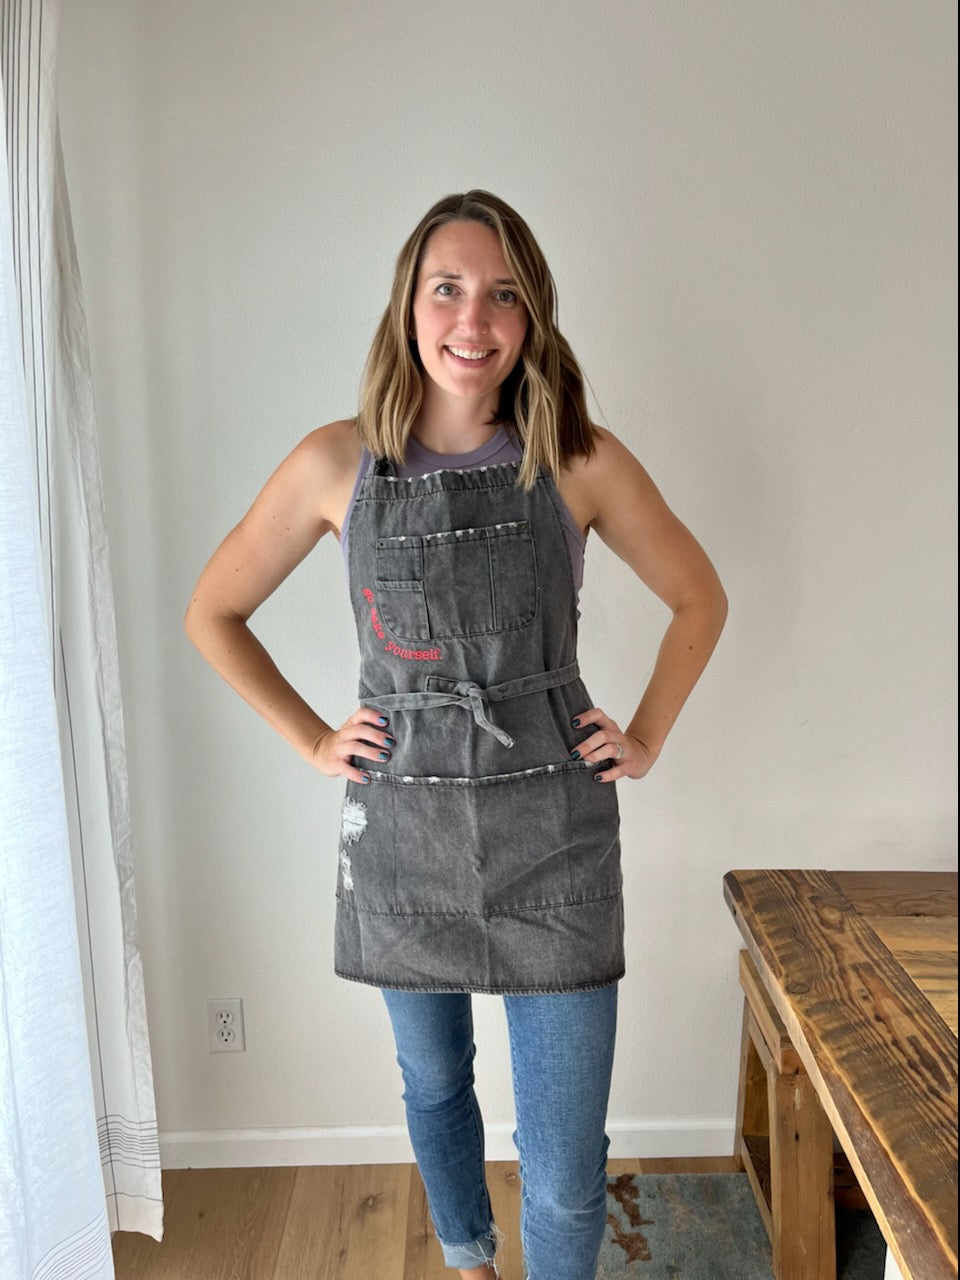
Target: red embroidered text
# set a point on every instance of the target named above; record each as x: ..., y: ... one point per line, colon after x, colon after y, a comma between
x: 417, y: 655
x: 411, y: 655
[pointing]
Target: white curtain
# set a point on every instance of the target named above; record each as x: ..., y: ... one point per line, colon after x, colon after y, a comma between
x: 53, y: 1218
x: 75, y: 661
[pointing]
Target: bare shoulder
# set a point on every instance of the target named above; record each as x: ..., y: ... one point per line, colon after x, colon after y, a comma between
x: 305, y: 498
x: 609, y: 455
x: 589, y: 483
x: 332, y: 450
x: 322, y: 469
x: 630, y: 515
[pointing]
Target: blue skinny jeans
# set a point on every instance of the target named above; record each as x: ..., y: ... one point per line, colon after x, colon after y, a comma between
x: 561, y: 1050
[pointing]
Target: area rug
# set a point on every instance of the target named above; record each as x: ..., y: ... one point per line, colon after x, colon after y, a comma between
x: 691, y: 1226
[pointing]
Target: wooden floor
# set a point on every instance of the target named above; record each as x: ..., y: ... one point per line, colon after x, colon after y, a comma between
x: 340, y: 1222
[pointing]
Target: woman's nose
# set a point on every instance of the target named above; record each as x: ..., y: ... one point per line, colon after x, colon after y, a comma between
x: 474, y: 314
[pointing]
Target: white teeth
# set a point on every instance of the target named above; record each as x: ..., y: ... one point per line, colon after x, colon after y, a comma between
x: 468, y: 355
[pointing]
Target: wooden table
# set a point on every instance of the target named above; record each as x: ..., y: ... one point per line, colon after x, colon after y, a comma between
x: 862, y: 969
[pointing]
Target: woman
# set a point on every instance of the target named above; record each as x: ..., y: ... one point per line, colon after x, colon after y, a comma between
x: 479, y: 845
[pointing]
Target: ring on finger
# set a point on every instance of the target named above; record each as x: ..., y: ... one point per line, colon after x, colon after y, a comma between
x: 619, y: 755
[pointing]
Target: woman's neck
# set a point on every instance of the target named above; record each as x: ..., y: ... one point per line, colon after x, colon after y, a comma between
x: 449, y: 424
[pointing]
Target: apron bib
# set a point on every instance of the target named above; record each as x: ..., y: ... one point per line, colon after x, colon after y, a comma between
x: 480, y: 857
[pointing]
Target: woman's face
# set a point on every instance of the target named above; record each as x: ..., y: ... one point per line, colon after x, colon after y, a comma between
x: 468, y: 320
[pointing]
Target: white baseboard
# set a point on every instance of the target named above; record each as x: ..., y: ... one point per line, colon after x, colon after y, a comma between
x: 389, y: 1144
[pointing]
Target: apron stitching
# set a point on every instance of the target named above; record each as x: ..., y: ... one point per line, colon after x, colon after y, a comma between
x: 494, y: 914
x: 518, y: 989
x: 492, y: 585
x: 489, y: 779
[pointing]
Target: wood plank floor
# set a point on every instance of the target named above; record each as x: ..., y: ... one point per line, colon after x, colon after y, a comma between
x: 330, y: 1222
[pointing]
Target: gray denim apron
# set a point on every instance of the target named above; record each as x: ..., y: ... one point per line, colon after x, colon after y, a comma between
x: 480, y: 857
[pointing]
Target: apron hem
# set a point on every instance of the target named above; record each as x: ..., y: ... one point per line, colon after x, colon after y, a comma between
x: 477, y: 989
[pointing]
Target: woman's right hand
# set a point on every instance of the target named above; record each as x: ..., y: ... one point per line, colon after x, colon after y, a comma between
x: 366, y: 734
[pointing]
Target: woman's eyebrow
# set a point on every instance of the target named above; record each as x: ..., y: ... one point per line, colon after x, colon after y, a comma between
x: 455, y: 275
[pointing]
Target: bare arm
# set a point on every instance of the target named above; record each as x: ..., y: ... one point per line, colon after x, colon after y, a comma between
x: 305, y: 498
x: 613, y: 493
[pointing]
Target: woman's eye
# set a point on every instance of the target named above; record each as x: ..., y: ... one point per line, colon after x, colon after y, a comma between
x: 440, y: 287
x: 506, y: 295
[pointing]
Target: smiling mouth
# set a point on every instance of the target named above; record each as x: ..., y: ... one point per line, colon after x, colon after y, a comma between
x: 467, y: 355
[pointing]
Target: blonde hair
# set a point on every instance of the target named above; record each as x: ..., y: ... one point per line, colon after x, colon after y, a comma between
x: 543, y: 395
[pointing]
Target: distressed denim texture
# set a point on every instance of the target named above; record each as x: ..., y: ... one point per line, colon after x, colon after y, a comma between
x: 486, y: 859
x: 561, y: 1049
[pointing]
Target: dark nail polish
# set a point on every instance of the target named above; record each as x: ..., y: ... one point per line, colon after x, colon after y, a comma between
x: 384, y: 755
x: 575, y: 754
x: 382, y: 720
x: 575, y: 723
x: 366, y: 777
x: 598, y: 777
x: 391, y: 742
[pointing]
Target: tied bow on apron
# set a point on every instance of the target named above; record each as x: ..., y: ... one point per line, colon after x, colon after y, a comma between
x: 442, y: 692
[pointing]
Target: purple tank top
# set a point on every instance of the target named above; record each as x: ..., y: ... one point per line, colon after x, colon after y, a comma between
x: 503, y: 447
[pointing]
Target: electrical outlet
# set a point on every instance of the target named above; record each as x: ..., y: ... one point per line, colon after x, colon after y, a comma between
x: 225, y: 1025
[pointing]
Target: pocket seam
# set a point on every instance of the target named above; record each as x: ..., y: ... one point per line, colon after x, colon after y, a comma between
x: 518, y: 530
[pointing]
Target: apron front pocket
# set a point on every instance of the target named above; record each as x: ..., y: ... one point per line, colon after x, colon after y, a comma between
x: 403, y: 609
x: 458, y: 583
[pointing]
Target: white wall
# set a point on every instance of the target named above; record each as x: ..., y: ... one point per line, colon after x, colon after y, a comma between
x: 749, y: 208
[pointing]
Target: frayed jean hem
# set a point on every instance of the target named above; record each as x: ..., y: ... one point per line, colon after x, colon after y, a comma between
x: 465, y: 1256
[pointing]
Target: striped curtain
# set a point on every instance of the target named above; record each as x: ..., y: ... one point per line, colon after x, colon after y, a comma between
x: 80, y: 627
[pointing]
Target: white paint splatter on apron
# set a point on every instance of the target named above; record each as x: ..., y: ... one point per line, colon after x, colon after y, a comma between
x: 353, y: 823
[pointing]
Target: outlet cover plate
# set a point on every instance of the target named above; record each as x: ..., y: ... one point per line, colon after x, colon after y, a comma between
x: 225, y: 1025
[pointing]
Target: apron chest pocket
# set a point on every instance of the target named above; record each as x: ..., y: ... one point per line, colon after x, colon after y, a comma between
x: 460, y: 582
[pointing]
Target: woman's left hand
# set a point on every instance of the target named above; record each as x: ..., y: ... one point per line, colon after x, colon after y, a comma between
x: 631, y: 757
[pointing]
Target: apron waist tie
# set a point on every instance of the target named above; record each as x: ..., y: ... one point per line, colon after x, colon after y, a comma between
x: 443, y: 692
x: 474, y: 700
